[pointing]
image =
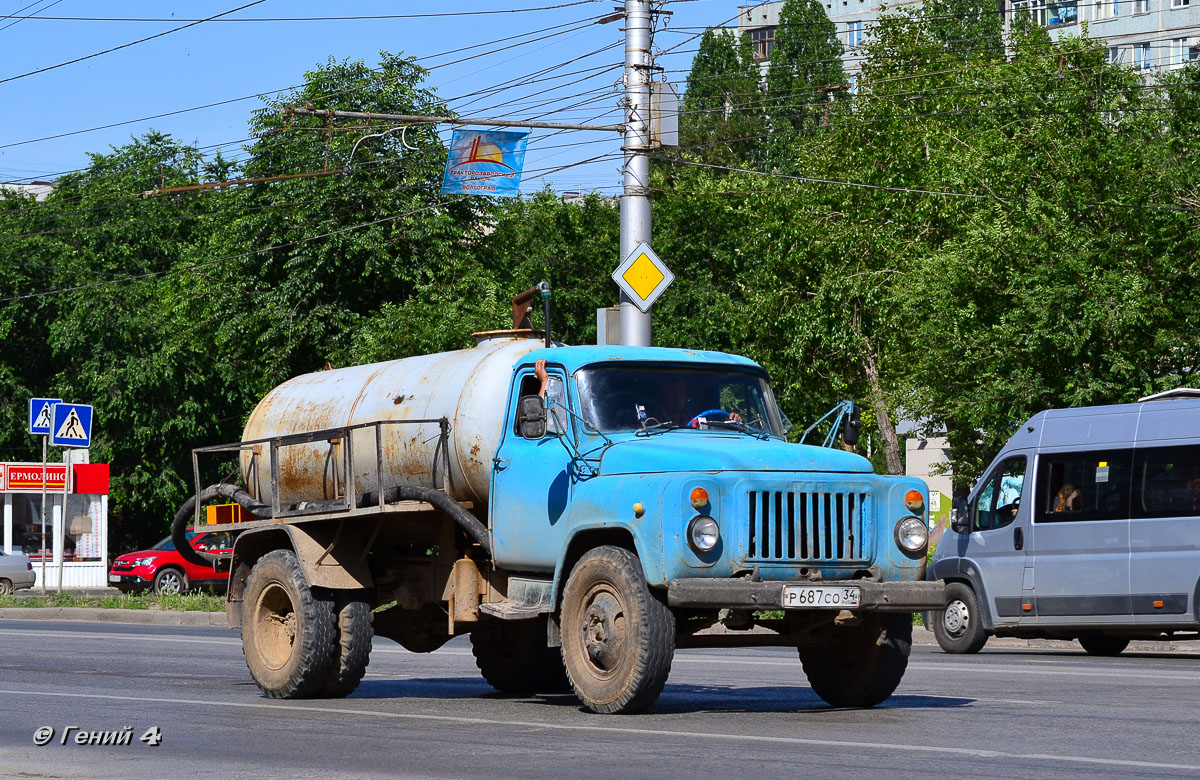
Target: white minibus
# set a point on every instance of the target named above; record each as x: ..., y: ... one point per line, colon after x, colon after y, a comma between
x: 1086, y: 526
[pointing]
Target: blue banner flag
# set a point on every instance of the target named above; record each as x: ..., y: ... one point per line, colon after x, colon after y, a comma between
x: 485, y: 162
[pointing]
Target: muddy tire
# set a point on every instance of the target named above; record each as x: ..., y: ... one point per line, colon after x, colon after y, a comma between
x: 513, y: 657
x: 288, y: 628
x: 863, y: 663
x: 618, y: 637
x: 959, y: 627
x: 1099, y: 644
x: 6, y: 587
x: 352, y: 646
x: 170, y: 581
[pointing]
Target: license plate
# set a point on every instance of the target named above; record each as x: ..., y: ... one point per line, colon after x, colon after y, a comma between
x: 114, y: 578
x: 819, y: 596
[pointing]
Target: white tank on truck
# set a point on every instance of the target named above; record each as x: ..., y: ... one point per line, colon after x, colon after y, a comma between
x: 467, y: 387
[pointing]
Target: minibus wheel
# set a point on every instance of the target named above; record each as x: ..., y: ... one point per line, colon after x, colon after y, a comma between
x: 1100, y: 644
x: 959, y: 627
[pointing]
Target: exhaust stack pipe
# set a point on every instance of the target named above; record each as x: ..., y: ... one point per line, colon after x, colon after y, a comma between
x: 522, y: 306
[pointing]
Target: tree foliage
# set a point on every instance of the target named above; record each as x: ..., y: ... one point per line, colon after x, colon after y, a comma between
x: 967, y: 240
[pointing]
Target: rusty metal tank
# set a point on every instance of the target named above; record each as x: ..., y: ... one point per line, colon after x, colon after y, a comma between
x: 469, y: 387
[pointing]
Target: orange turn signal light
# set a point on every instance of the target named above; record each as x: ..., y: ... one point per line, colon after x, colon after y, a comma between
x: 699, y: 498
x: 1027, y: 607
x: 914, y: 501
x: 1158, y: 605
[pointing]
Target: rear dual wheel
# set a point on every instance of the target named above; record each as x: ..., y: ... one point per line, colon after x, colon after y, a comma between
x: 513, y: 657
x: 301, y: 641
x: 863, y: 662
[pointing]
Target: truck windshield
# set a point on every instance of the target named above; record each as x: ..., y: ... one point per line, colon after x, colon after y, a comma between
x: 616, y: 397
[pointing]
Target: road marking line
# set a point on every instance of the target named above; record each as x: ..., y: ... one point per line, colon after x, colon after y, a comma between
x: 1127, y: 673
x: 684, y: 658
x: 691, y: 736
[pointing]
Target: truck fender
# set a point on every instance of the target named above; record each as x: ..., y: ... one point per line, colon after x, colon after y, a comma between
x: 329, y: 559
x: 586, y: 539
x: 965, y: 571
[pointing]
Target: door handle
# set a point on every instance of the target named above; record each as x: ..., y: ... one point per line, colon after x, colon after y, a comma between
x: 500, y: 463
x: 1018, y: 539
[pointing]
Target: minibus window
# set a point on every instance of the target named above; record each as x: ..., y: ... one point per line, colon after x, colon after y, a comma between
x: 998, y: 501
x: 1168, y: 481
x: 1084, y: 486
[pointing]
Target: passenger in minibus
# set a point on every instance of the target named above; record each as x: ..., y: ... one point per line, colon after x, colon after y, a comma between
x: 1068, y: 499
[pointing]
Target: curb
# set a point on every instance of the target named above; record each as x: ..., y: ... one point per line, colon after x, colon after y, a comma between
x: 924, y: 637
x: 148, y: 617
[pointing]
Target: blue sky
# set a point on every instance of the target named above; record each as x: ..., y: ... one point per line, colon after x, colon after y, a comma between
x: 218, y: 61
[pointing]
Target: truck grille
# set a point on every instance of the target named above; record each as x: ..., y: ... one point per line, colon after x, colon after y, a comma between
x: 805, y: 526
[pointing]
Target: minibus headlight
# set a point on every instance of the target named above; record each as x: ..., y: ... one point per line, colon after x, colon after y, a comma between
x: 911, y: 534
x: 703, y: 533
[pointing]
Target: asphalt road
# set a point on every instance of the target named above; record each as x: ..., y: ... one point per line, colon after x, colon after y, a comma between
x: 730, y: 713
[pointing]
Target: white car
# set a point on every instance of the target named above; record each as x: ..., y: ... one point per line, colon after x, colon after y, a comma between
x: 16, y: 572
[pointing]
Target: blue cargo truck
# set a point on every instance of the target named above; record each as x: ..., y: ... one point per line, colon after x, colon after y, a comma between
x: 580, y: 512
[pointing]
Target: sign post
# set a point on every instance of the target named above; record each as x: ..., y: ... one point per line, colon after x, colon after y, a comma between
x: 41, y: 410
x: 70, y: 426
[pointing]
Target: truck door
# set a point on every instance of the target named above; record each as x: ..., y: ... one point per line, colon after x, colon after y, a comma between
x: 999, y: 540
x: 532, y: 483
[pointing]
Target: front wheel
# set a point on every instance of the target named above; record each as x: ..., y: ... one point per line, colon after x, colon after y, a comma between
x: 959, y: 628
x: 863, y: 663
x: 288, y: 628
x: 618, y: 637
x: 170, y: 582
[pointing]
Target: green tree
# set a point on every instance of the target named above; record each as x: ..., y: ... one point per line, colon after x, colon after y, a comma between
x: 350, y: 224
x: 806, y: 68
x: 723, y: 115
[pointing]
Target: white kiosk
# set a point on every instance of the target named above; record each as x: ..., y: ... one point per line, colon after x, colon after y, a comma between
x: 77, y: 538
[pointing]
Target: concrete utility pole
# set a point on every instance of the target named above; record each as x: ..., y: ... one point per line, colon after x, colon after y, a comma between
x: 635, y: 199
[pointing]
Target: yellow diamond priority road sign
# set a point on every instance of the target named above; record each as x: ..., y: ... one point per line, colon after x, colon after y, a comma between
x: 643, y: 277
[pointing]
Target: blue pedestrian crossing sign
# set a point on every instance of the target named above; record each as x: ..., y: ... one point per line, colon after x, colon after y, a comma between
x: 71, y: 425
x: 39, y: 415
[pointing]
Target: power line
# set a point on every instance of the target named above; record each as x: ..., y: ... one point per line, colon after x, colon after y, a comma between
x: 916, y: 190
x: 294, y: 18
x: 258, y: 95
x: 20, y: 19
x: 131, y: 43
x: 261, y: 250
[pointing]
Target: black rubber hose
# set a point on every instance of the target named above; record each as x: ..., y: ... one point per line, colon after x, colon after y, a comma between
x: 187, y: 512
x: 467, y: 521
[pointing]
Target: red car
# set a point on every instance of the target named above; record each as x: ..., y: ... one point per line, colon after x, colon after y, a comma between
x: 163, y: 570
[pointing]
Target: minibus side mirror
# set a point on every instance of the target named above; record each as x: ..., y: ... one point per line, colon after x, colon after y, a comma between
x: 959, y: 516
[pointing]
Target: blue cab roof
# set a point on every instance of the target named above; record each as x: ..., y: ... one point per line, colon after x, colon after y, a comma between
x: 574, y: 358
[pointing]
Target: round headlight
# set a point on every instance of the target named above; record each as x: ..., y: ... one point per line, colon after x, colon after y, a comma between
x: 703, y: 533
x: 911, y: 534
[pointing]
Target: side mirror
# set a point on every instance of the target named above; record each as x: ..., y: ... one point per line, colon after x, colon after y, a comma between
x: 959, y: 522
x: 531, y: 417
x: 853, y: 424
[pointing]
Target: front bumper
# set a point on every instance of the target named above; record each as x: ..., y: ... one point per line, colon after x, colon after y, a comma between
x: 700, y: 592
x: 126, y: 580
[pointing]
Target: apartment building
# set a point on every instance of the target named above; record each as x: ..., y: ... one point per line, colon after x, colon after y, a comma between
x: 1148, y: 35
